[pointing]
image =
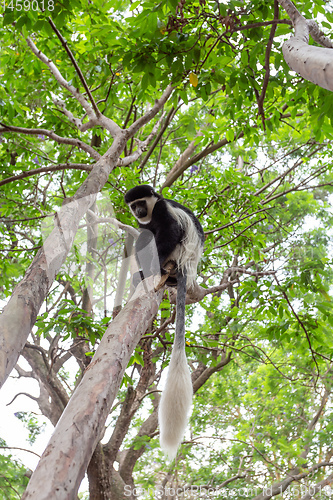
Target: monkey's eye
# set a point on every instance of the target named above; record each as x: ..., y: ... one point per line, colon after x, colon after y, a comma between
x: 133, y: 206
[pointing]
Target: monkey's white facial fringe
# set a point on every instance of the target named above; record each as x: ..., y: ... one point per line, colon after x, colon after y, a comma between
x: 188, y: 253
x: 175, y: 404
x: 150, y: 201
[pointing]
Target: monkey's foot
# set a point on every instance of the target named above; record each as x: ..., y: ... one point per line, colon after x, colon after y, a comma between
x: 167, y: 278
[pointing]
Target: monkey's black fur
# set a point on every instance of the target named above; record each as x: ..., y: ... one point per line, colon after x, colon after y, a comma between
x: 179, y: 237
x: 167, y: 231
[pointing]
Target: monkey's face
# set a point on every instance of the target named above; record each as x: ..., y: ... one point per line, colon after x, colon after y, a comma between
x: 142, y: 209
x: 139, y: 209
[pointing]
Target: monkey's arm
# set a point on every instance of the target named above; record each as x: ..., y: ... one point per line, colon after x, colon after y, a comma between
x: 167, y: 240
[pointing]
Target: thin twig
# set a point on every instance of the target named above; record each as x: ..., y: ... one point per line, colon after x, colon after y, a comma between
x: 36, y: 171
x: 77, y: 69
x: 301, y: 324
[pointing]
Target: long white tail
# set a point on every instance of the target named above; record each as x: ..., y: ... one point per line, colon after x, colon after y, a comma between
x: 176, y: 400
x: 175, y: 404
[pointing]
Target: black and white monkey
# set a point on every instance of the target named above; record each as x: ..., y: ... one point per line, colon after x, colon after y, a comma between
x: 179, y: 238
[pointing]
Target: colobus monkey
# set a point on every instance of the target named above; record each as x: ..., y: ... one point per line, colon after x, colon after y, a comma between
x: 179, y: 238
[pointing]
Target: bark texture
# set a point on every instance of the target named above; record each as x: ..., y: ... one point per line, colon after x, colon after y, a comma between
x: 20, y: 313
x: 79, y: 429
x: 315, y: 64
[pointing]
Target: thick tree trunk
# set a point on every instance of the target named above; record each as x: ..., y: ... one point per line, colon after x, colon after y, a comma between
x: 66, y: 458
x: 98, y: 476
x: 20, y: 313
x: 105, y: 482
x: 315, y: 64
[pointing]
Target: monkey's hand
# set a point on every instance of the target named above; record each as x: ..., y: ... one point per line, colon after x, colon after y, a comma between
x: 172, y: 272
x: 169, y: 273
x: 169, y: 268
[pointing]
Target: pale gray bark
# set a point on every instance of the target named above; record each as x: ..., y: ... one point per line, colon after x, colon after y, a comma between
x: 123, y: 274
x: 312, y: 63
x: 178, y: 167
x: 21, y: 311
x: 65, y: 460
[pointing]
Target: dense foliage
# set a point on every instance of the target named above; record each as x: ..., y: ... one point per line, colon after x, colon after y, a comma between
x: 13, y: 476
x: 256, y: 141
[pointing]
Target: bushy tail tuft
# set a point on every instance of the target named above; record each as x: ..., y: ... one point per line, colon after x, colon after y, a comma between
x: 175, y: 404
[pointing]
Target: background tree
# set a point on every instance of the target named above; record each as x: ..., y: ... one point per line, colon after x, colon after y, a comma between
x: 194, y: 97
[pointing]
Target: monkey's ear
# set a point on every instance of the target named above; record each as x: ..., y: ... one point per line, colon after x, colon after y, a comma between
x: 152, y: 192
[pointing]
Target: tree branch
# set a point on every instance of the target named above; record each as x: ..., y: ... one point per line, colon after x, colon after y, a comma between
x: 159, y: 103
x: 205, y: 152
x: 267, y: 65
x: 141, y: 146
x: 317, y: 488
x: 300, y: 323
x: 178, y: 166
x: 60, y: 79
x: 17, y: 448
x: 312, y: 63
x: 77, y: 69
x: 22, y: 394
x: 158, y: 137
x: 55, y: 168
x: 54, y: 137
